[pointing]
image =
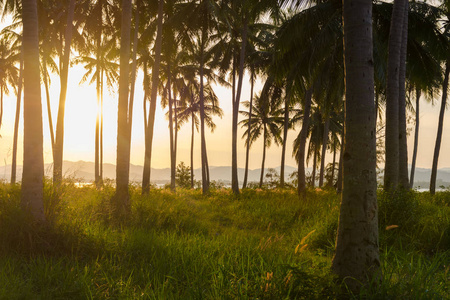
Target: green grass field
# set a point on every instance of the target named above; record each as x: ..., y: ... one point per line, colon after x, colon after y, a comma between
x: 265, y: 244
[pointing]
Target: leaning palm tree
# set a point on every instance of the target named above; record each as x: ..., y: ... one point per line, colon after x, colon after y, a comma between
x: 266, y: 121
x: 64, y: 73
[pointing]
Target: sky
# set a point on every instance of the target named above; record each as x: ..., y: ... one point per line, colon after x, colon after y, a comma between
x: 80, y: 125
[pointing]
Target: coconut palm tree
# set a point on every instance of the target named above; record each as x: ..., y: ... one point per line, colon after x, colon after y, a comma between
x: 200, y: 21
x: 446, y: 58
x: 150, y: 120
x: 425, y: 49
x: 98, y: 54
x: 99, y: 67
x: 391, y: 169
x: 357, y: 258
x: 121, y: 201
x: 190, y: 110
x: 33, y: 159
x: 64, y: 73
x: 266, y: 121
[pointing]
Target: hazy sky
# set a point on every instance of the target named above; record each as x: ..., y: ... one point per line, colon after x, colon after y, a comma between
x: 80, y: 126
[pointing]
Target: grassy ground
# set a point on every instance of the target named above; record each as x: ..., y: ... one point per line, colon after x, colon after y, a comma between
x: 266, y: 244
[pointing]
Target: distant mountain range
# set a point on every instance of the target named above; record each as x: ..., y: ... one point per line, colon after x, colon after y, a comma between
x: 84, y: 172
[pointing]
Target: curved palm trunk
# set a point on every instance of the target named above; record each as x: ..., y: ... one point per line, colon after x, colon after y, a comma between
x: 324, y: 149
x: 301, y: 188
x: 261, y: 178
x: 403, y: 181
x: 49, y: 110
x: 151, y: 113
x: 121, y: 201
x: 437, y: 146
x: 357, y: 259
x: 234, y: 169
x: 59, y: 137
x: 16, y: 122
x: 133, y: 65
x: 392, y: 93
x: 283, y: 147
x: 416, y: 140
x: 33, y: 159
x: 341, y: 159
x: 247, y: 150
x: 144, y: 102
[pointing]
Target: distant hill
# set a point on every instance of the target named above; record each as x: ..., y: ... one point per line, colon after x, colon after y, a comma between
x: 84, y: 171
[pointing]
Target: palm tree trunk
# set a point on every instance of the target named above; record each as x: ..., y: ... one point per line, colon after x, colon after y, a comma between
x: 403, y: 181
x: 16, y: 121
x: 392, y: 93
x: 313, y: 174
x: 341, y: 160
x: 59, y: 138
x: 247, y: 149
x: 151, y: 113
x: 33, y: 158
x: 171, y: 129
x: 301, y: 188
x: 192, y: 148
x: 437, y: 146
x: 49, y: 109
x: 144, y: 102
x: 205, y: 181
x: 333, y: 165
x: 357, y: 259
x: 234, y: 170
x: 175, y: 144
x: 97, y: 137
x: 324, y: 149
x: 133, y: 65
x: 285, y: 132
x: 261, y: 178
x: 101, y: 128
x: 121, y: 201
x: 416, y: 140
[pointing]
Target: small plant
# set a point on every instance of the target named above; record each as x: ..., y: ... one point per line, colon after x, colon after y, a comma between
x: 183, y: 176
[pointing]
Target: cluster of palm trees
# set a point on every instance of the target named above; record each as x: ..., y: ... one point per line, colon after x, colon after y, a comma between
x: 183, y: 48
x: 392, y: 52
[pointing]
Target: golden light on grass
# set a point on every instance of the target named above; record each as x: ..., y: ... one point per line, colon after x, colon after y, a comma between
x: 391, y: 227
x: 306, y: 237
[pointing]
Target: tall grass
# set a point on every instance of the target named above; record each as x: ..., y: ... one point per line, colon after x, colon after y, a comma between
x: 264, y: 244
